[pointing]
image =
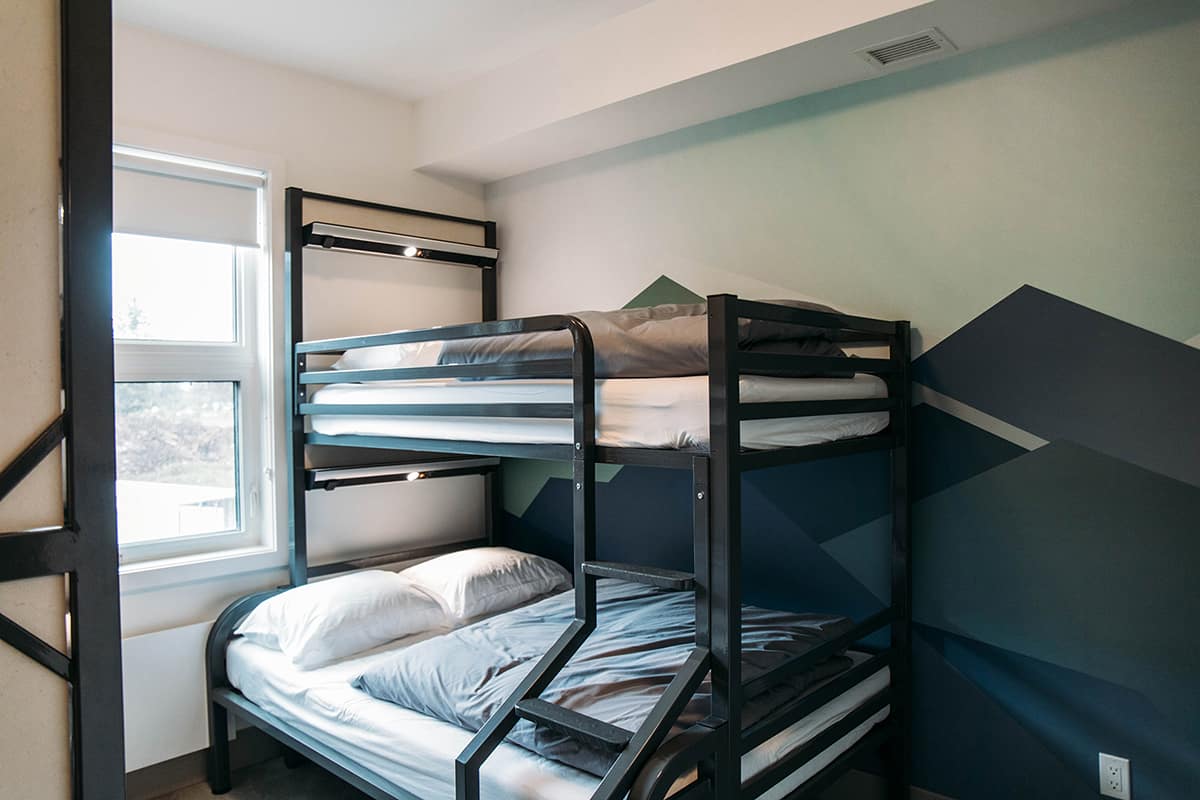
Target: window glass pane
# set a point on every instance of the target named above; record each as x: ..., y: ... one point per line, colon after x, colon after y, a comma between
x: 176, y: 460
x: 174, y: 290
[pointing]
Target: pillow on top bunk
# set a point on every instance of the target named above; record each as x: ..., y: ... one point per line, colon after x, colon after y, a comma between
x: 319, y: 623
x: 487, y: 580
x: 391, y: 356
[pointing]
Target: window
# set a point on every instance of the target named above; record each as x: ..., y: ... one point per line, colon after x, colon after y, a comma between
x: 191, y: 415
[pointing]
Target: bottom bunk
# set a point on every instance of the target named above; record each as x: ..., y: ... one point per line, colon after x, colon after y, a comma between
x: 399, y: 752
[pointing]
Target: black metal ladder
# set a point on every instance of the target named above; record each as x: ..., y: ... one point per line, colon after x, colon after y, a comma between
x: 633, y: 748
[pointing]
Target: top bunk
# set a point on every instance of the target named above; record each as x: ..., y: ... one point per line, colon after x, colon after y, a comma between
x: 390, y: 391
x: 641, y: 386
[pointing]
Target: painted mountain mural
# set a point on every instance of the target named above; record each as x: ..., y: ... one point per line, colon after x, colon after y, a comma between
x: 1056, y: 589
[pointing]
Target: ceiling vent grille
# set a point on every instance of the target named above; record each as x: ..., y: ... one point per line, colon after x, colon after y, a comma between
x: 921, y: 45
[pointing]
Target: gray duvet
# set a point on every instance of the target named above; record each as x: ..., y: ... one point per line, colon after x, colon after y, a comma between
x: 656, y: 342
x: 643, y: 637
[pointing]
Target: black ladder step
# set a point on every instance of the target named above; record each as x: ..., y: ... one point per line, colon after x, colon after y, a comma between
x: 651, y: 576
x: 574, y: 724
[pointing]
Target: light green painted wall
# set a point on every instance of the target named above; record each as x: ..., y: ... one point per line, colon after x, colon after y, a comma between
x: 1070, y: 161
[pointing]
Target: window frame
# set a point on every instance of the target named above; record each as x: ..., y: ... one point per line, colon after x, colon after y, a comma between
x: 247, y: 362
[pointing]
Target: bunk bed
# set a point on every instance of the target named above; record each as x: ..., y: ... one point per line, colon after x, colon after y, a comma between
x: 796, y: 750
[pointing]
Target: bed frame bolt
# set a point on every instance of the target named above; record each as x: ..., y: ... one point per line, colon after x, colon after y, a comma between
x: 578, y: 446
x: 699, y: 495
x: 578, y: 486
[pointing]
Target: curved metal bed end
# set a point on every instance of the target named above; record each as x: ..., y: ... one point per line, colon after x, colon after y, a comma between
x: 219, y: 637
x: 221, y: 632
x: 580, y: 334
x: 673, y: 760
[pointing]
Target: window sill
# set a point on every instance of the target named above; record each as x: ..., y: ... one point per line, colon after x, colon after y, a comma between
x: 143, y: 576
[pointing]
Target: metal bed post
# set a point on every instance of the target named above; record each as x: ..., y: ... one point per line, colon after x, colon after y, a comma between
x: 583, y: 470
x: 899, y: 751
x: 490, y: 309
x: 725, y: 542
x: 702, y: 566
x: 491, y: 300
x: 294, y: 364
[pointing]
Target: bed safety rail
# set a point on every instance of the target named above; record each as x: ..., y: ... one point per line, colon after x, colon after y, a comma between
x: 806, y: 661
x: 579, y: 367
x: 725, y: 310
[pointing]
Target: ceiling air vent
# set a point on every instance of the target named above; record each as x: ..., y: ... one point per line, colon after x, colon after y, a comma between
x: 921, y: 45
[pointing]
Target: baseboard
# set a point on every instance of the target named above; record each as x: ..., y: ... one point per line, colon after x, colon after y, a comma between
x: 251, y: 747
x: 859, y: 785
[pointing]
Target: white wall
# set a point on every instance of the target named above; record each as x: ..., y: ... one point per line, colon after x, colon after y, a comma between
x: 327, y: 137
x: 33, y: 733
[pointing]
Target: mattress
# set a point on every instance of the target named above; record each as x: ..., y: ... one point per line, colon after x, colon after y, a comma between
x: 417, y: 752
x: 630, y: 412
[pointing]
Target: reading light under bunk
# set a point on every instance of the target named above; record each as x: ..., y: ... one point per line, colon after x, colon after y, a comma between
x: 330, y: 478
x: 365, y: 240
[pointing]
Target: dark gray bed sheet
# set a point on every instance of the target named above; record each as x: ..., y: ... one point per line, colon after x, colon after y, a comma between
x: 655, y: 342
x: 642, y: 638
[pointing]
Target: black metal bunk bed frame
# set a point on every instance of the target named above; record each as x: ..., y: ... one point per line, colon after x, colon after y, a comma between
x: 646, y: 767
x: 84, y: 547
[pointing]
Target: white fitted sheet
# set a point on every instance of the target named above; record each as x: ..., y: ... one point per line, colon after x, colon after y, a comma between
x: 417, y: 752
x: 630, y: 412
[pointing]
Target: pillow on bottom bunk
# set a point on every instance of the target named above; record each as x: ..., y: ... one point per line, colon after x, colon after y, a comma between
x: 487, y: 580
x: 322, y: 622
x: 642, y: 638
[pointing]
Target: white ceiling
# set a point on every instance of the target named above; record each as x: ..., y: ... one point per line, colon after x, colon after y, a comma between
x: 502, y: 87
x: 409, y: 48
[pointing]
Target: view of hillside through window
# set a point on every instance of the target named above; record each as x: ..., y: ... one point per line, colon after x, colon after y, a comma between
x: 177, y: 440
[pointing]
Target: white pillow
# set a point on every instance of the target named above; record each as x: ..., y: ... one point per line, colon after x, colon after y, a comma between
x: 391, y: 356
x: 321, y: 622
x: 486, y: 580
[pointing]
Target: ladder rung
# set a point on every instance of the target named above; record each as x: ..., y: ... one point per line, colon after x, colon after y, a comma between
x: 573, y: 724
x: 651, y: 576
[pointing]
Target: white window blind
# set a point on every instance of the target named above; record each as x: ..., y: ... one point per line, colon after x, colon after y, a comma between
x: 185, y: 199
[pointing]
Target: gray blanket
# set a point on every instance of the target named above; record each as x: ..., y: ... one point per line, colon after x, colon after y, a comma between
x: 642, y: 638
x: 656, y: 342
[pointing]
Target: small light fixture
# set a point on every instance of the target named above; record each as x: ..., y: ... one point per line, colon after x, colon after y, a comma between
x: 413, y: 476
x: 411, y: 251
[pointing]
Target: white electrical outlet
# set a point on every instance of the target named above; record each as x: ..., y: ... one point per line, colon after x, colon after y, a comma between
x: 1114, y: 776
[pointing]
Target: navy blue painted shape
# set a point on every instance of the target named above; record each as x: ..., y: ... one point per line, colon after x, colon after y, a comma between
x: 967, y: 746
x: 1077, y: 716
x: 644, y: 517
x: 947, y: 450
x: 784, y: 568
x: 826, y: 498
x: 1062, y: 371
x: 1016, y: 557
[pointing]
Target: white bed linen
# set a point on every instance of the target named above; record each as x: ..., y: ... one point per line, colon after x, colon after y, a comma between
x: 417, y: 752
x: 630, y: 412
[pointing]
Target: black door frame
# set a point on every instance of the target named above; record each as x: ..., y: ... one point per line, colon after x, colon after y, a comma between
x: 84, y: 549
